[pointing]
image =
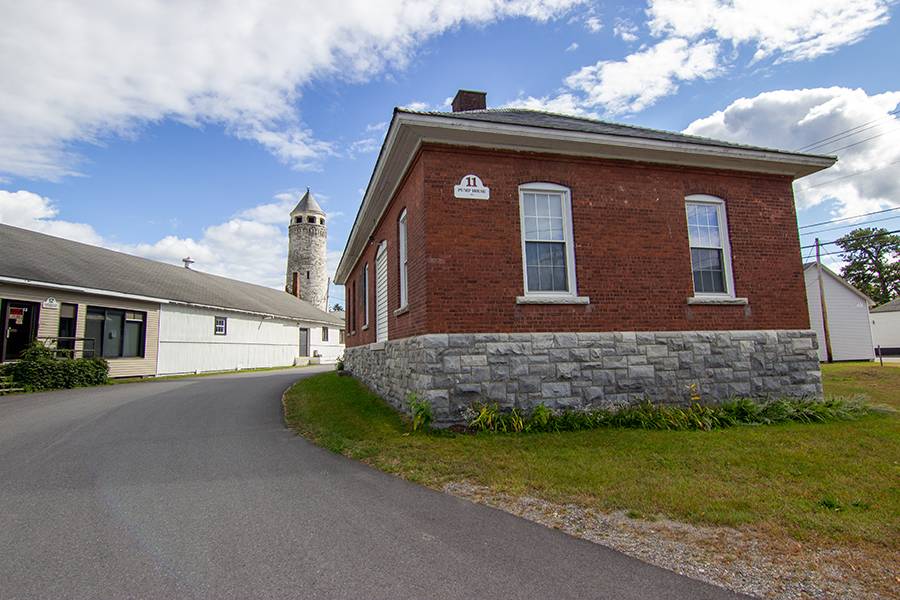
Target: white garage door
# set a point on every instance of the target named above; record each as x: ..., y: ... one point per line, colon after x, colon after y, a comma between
x: 381, y: 293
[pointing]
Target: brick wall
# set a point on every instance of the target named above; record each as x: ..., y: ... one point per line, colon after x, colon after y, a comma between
x: 631, y: 247
x: 409, y: 196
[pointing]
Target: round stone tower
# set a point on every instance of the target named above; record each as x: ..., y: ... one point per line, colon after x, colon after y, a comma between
x: 307, y: 272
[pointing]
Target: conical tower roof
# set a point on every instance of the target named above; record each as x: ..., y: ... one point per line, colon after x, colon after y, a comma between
x: 306, y: 205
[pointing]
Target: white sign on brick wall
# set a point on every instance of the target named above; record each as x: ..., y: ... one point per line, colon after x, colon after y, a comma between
x: 471, y: 186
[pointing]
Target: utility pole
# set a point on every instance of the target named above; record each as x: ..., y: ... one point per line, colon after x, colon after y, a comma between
x: 828, y: 355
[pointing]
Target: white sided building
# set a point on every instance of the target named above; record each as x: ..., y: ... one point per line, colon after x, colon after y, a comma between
x: 886, y: 327
x: 148, y: 318
x: 847, y: 309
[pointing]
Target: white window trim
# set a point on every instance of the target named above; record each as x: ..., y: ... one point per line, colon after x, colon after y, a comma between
x: 727, y: 297
x: 570, y: 297
x: 403, y: 255
x: 216, y: 325
x: 365, y: 324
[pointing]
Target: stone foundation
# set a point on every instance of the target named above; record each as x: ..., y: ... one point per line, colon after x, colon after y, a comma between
x: 587, y: 370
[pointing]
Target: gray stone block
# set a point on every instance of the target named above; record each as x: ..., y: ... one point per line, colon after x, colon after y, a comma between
x: 641, y: 372
x: 555, y: 389
x: 473, y: 360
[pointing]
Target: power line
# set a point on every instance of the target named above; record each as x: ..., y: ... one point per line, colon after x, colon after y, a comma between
x: 846, y: 132
x: 834, y: 150
x: 864, y: 237
x: 853, y: 175
x: 867, y: 222
x: 876, y: 212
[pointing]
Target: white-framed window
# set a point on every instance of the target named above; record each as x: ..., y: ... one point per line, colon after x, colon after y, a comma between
x: 548, y: 250
x: 365, y: 295
x: 324, y: 334
x: 401, y: 249
x: 710, y: 249
x: 221, y: 326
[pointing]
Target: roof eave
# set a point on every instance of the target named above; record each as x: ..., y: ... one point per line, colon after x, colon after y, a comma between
x: 408, y: 131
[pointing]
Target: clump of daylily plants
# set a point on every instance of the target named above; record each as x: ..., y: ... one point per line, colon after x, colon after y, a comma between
x: 490, y: 417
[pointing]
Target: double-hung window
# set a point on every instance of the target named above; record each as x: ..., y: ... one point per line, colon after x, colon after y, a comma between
x: 221, y: 326
x: 548, y: 251
x: 710, y: 249
x: 401, y: 248
x: 324, y: 334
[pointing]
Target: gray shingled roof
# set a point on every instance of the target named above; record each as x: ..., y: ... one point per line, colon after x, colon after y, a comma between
x: 34, y: 256
x: 547, y: 120
x: 307, y: 204
x: 892, y: 306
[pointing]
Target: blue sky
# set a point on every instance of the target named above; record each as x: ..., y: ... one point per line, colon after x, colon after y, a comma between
x: 158, y: 134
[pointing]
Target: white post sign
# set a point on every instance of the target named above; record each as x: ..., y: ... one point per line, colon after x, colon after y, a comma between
x: 471, y: 186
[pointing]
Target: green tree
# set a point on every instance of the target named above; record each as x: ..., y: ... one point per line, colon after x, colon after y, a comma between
x: 337, y: 307
x: 873, y: 262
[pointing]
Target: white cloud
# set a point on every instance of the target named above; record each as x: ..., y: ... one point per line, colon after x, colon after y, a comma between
x: 32, y: 211
x: 376, y: 127
x: 644, y: 77
x: 697, y: 38
x: 365, y: 145
x: 562, y: 103
x: 84, y: 71
x: 625, y: 30
x: 865, y: 177
x: 593, y: 24
x: 251, y: 246
x: 795, y: 30
x: 572, y: 47
x: 417, y: 106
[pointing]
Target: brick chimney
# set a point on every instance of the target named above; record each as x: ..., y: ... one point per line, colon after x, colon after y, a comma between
x: 469, y: 100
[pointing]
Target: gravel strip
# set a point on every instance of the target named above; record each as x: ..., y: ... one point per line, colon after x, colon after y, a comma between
x: 744, y: 560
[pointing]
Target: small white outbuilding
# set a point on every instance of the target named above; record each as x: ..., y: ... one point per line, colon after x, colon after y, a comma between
x: 847, y: 309
x: 886, y: 327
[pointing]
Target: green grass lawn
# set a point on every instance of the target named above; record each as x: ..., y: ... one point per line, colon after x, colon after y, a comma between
x: 835, y: 482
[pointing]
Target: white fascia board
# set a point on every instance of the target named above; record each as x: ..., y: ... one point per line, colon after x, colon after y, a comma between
x: 81, y: 290
x: 355, y: 245
x: 126, y: 296
x: 869, y: 302
x: 524, y: 137
x: 421, y: 129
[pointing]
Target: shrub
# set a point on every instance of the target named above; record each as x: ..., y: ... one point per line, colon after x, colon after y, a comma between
x: 38, y: 369
x: 421, y: 413
x: 340, y: 363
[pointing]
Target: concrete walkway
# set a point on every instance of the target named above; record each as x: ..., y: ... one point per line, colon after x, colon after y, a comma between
x: 193, y: 488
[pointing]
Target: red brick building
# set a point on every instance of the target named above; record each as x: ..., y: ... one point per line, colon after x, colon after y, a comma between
x: 524, y: 257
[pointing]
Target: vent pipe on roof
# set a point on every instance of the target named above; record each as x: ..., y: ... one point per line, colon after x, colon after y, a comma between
x: 187, y: 262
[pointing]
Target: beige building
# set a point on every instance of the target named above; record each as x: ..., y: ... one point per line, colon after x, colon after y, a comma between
x: 128, y: 327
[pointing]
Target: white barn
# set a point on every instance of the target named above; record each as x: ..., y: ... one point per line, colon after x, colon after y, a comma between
x: 148, y: 318
x: 886, y: 327
x: 848, y: 315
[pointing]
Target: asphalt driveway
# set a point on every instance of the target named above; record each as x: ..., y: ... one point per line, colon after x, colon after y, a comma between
x: 193, y: 488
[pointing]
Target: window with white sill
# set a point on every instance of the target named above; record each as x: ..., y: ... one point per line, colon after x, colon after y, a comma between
x: 547, y: 241
x: 710, y: 248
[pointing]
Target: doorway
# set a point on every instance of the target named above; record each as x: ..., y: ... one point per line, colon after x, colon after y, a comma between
x: 19, y: 328
x: 304, y: 342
